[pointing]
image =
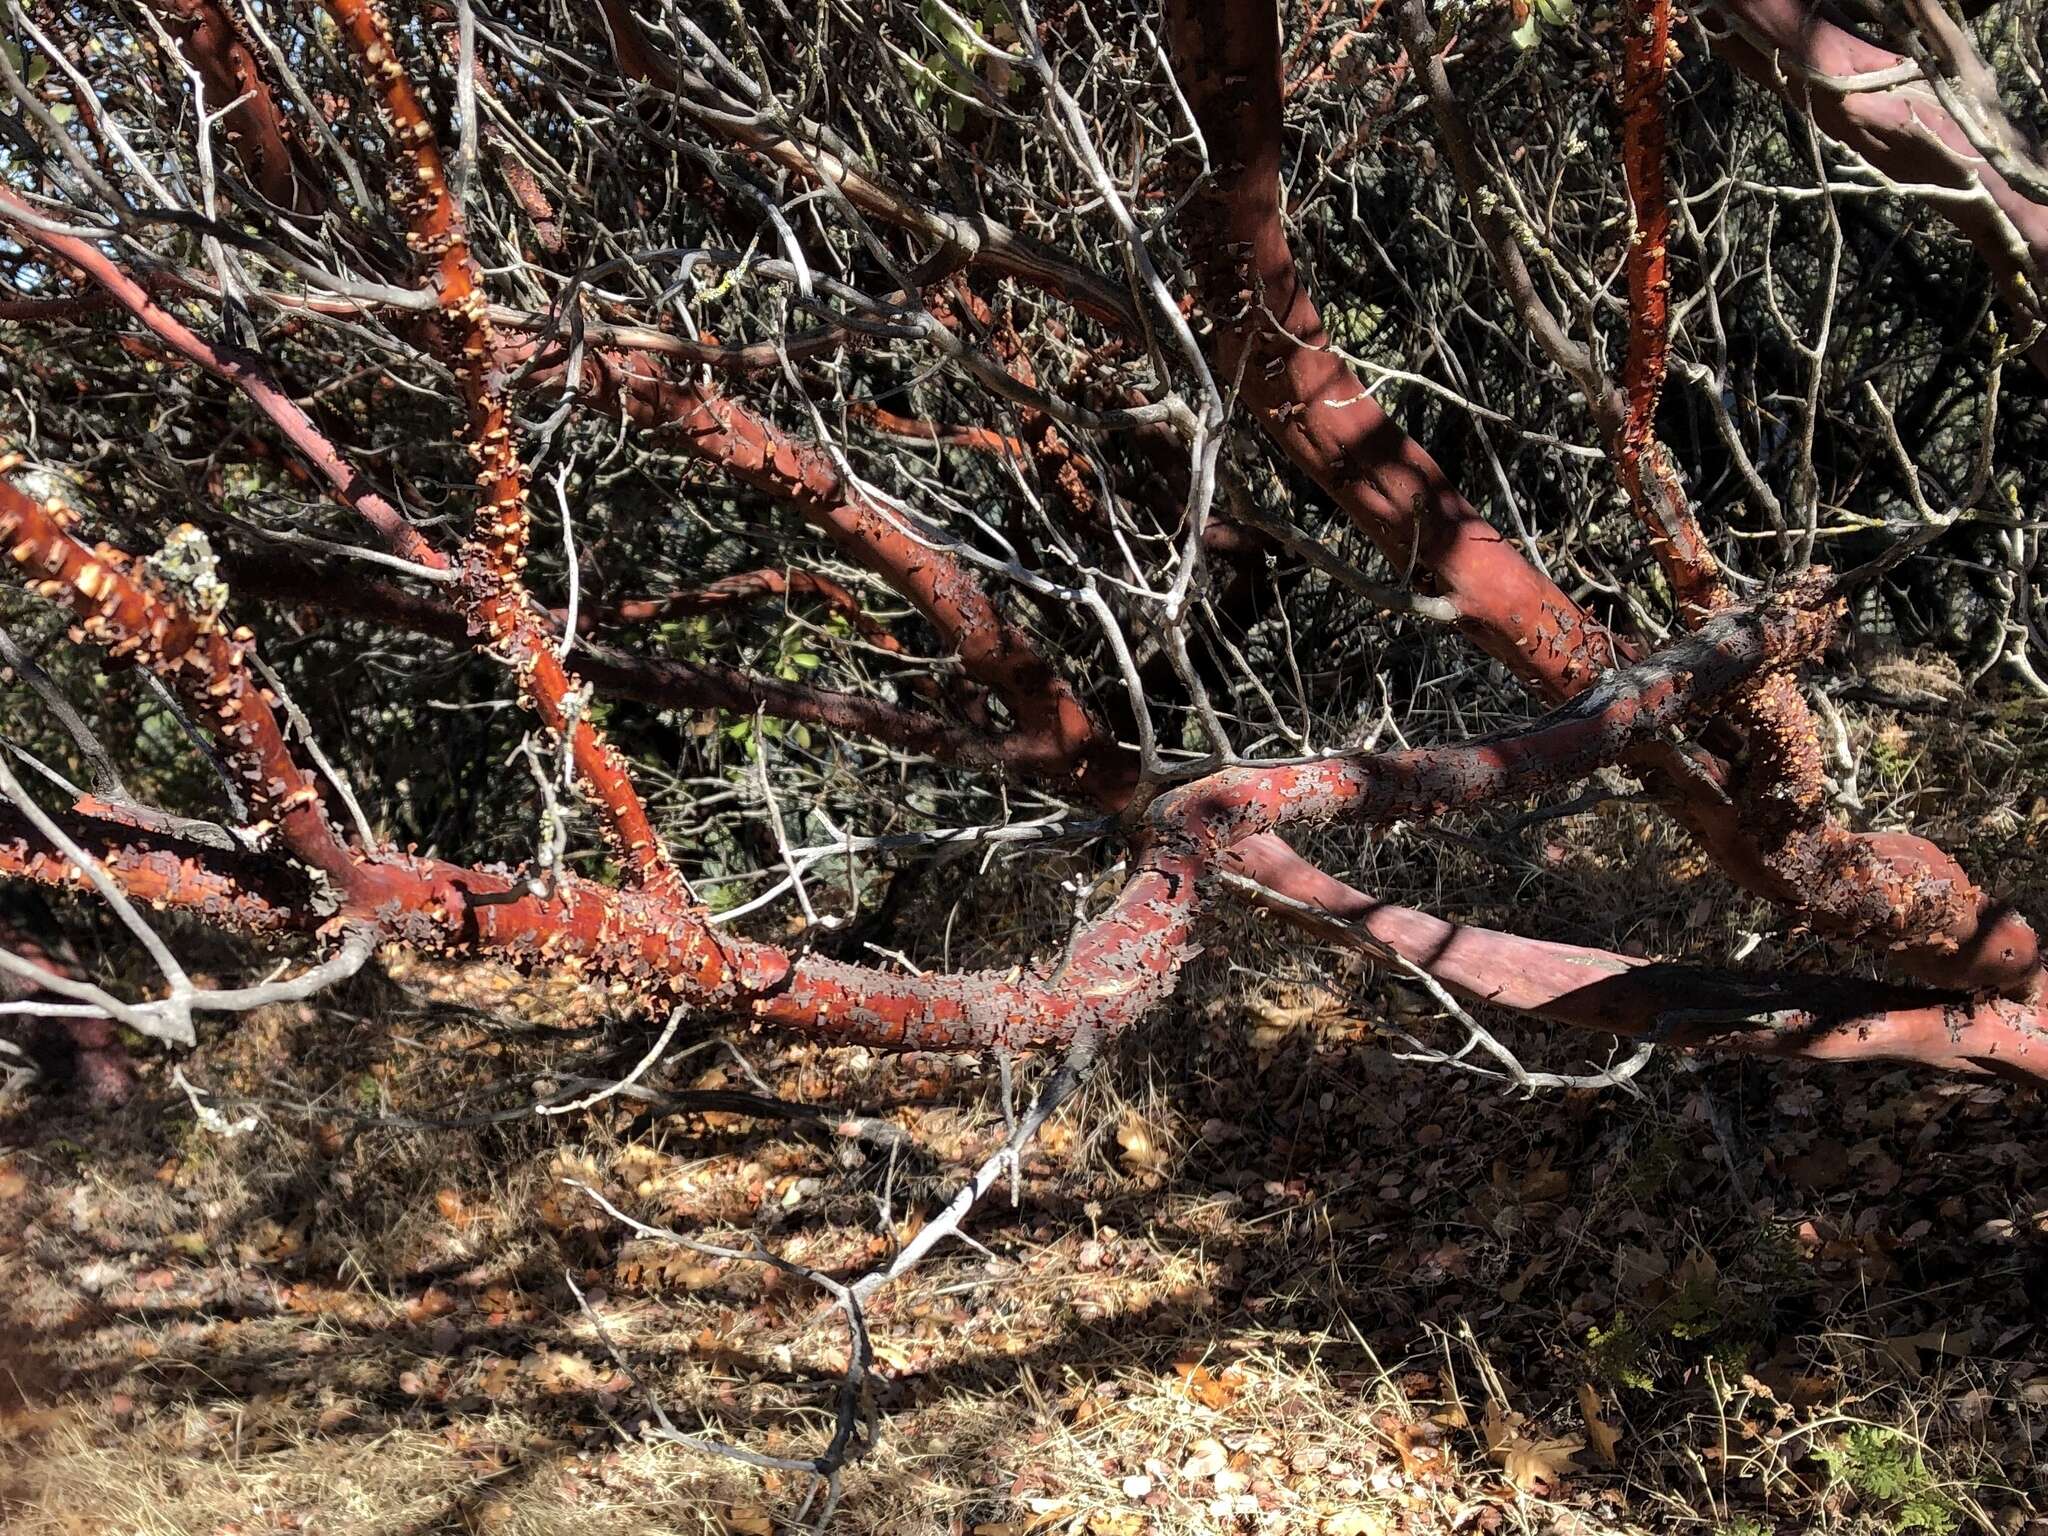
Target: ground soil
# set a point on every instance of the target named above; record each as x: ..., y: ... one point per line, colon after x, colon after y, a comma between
x: 1261, y: 1276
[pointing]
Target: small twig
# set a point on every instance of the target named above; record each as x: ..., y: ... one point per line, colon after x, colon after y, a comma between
x: 612, y: 1090
x: 1068, y: 1076
x: 1510, y: 1066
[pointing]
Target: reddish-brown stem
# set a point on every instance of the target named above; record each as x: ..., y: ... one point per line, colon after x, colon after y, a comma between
x: 647, y: 946
x: 492, y: 592
x: 1646, y: 472
x: 126, y: 607
x: 257, y: 131
x: 1055, y: 733
x: 240, y: 369
x: 1791, y: 48
x: 748, y: 587
x: 657, y: 681
x: 1270, y: 335
x: 134, y: 611
x: 99, y: 1060
x: 977, y: 439
x: 1903, y: 892
x: 978, y: 242
x: 231, y: 889
x: 1811, y: 1017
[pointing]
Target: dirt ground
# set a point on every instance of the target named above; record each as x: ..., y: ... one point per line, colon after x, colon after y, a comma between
x: 1261, y: 1276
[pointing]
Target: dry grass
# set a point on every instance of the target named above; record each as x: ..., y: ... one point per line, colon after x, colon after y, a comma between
x: 1261, y: 1277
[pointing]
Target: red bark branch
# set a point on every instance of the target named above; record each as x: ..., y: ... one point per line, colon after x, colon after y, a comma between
x: 747, y: 587
x: 1816, y: 1018
x: 230, y: 889
x: 491, y: 592
x: 1646, y: 472
x: 1790, y: 48
x: 246, y: 372
x: 1905, y: 893
x: 127, y: 607
x: 1055, y: 735
x: 257, y: 131
x: 652, y: 944
x: 962, y: 239
x: 976, y: 439
x: 662, y: 682
x: 650, y: 948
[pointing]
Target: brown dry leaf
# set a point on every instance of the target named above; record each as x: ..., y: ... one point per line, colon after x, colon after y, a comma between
x: 449, y: 1203
x: 1603, y: 1436
x: 1906, y: 1348
x: 1640, y: 1267
x: 13, y: 1184
x: 1822, y: 1166
x: 1358, y: 1521
x: 26, y: 1423
x: 1205, y: 1459
x: 692, y: 1277
x: 1274, y: 1025
x: 563, y: 1371
x: 555, y: 1211
x: 1453, y: 1413
x: 749, y: 1520
x: 1422, y: 1455
x: 1543, y: 1182
x: 1217, y: 1390
x: 1531, y: 1464
x: 1698, y: 1269
x: 431, y: 1303
x: 1142, y: 1148
x: 1511, y: 1290
x: 902, y: 1355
